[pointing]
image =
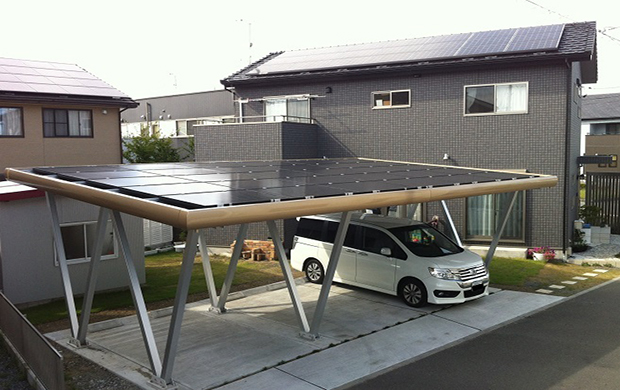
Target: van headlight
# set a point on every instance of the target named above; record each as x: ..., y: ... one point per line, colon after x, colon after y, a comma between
x: 444, y: 273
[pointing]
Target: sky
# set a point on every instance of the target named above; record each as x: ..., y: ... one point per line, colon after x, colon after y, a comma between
x: 157, y: 48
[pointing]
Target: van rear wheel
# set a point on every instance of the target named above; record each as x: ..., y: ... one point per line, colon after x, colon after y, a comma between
x: 314, y: 271
x: 413, y: 292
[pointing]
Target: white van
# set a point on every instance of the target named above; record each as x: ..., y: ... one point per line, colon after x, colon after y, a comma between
x: 391, y: 255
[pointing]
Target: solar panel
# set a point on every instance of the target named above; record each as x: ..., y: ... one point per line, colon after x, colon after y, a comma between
x: 50, y: 77
x: 256, y: 191
x: 486, y: 42
x: 537, y: 38
x: 418, y: 49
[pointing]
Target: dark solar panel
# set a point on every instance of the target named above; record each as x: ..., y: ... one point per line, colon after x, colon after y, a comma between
x: 239, y: 183
x: 419, y: 49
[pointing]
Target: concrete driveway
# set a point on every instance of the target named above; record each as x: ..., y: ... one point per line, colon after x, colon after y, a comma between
x: 256, y: 344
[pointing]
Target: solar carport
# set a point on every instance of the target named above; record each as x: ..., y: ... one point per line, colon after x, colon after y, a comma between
x: 196, y: 196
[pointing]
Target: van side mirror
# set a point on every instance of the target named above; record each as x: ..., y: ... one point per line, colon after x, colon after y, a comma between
x: 386, y: 251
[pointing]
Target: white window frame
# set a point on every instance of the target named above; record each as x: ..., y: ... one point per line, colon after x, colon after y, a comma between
x: 80, y: 260
x: 527, y: 99
x: 285, y: 117
x: 382, y: 107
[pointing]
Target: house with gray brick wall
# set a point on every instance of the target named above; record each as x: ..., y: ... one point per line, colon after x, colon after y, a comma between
x: 506, y: 99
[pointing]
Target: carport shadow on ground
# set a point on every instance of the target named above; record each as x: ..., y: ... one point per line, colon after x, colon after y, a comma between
x: 260, y: 332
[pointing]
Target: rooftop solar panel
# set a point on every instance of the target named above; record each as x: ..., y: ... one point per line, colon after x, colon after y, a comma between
x: 172, y: 193
x: 541, y: 38
x: 49, y: 77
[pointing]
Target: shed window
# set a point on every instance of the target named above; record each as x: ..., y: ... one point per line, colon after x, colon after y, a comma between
x: 391, y: 99
x: 79, y: 241
x: 509, y: 98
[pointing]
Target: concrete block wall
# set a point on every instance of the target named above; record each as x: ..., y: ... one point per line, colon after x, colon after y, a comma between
x: 435, y: 125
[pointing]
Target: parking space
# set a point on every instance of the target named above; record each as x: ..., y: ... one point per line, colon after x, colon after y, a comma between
x: 256, y: 344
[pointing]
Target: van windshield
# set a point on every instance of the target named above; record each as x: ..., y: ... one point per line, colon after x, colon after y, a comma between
x: 425, y: 241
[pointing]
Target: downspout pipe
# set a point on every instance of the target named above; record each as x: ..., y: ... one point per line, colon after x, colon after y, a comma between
x: 567, y: 154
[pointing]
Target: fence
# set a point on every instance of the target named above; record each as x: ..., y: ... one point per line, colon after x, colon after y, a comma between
x: 44, y: 361
x: 603, y: 191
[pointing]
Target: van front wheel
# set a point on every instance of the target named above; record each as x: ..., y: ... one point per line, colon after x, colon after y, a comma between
x: 314, y: 271
x: 413, y: 292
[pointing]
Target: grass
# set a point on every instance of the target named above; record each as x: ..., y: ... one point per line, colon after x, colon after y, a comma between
x: 530, y: 275
x: 162, y: 273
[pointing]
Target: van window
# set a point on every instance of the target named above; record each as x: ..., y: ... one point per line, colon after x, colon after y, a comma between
x: 425, y: 241
x: 373, y: 240
x: 332, y: 229
x: 310, y: 228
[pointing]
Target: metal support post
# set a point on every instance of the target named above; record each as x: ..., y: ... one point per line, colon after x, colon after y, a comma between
x: 136, y: 294
x: 206, y: 266
x: 345, y: 219
x: 180, y: 299
x: 288, y: 276
x: 62, y: 263
x: 498, y: 233
x: 451, y: 222
x: 232, y: 267
x: 93, y: 272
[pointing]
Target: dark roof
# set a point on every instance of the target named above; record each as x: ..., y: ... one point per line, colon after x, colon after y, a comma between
x: 208, y: 194
x: 183, y: 106
x: 28, y: 80
x: 605, y: 106
x: 573, y: 42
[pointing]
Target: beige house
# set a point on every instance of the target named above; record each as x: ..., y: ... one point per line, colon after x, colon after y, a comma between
x: 57, y: 114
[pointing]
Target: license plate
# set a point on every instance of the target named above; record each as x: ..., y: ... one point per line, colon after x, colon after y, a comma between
x: 477, y: 283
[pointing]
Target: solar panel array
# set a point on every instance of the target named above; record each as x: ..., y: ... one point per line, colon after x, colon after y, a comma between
x: 219, y: 184
x: 528, y: 39
x: 51, y: 77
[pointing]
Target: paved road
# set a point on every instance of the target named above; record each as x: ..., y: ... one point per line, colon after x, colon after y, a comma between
x: 572, y: 345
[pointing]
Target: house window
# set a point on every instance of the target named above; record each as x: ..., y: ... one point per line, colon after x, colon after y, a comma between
x: 391, y: 99
x: 484, y: 214
x: 287, y: 109
x: 612, y: 128
x: 509, y: 98
x: 67, y: 123
x: 11, y: 124
x: 79, y: 240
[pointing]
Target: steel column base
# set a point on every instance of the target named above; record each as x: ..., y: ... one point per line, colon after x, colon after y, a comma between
x: 159, y: 383
x: 75, y: 343
x: 218, y: 310
x: 308, y: 336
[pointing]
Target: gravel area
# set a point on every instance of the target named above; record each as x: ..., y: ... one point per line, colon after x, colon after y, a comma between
x: 601, y: 252
x: 11, y: 378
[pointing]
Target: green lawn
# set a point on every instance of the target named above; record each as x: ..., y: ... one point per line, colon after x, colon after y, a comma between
x: 162, y: 273
x: 513, y: 272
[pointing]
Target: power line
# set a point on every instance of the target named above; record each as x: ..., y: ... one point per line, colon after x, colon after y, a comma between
x: 602, y: 31
x: 550, y: 10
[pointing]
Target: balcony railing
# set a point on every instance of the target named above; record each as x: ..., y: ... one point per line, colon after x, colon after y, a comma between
x: 257, y: 119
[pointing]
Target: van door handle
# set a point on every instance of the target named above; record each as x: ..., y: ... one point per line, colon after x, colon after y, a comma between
x: 349, y: 250
x: 362, y: 253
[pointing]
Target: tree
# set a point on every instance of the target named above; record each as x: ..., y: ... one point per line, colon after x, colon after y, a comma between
x: 147, y: 148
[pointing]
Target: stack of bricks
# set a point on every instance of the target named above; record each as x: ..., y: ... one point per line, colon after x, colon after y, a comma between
x: 257, y: 250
